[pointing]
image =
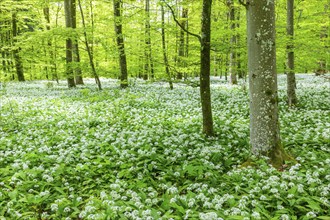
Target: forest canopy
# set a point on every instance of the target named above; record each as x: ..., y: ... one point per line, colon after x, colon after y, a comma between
x: 34, y: 32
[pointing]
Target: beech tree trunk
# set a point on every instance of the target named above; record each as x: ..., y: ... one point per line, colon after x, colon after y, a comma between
x: 148, y: 65
x: 17, y: 57
x: 120, y: 43
x: 205, y: 69
x: 232, y: 56
x: 240, y: 72
x: 89, y: 49
x: 167, y: 70
x: 182, y: 48
x: 291, y: 79
x: 49, y: 49
x: 75, y: 49
x: 69, y: 45
x: 264, y: 122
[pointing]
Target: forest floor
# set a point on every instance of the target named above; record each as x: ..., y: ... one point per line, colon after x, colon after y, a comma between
x: 139, y: 153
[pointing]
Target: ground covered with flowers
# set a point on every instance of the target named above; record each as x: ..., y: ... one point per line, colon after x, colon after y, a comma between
x: 139, y: 153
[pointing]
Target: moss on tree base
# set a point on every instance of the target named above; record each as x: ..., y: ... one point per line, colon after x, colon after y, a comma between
x: 278, y: 158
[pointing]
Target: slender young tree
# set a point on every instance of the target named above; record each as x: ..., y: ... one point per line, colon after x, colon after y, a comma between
x: 232, y: 56
x: 75, y: 49
x: 148, y: 65
x: 89, y: 50
x: 205, y: 57
x: 167, y: 70
x: 49, y: 49
x: 182, y: 41
x: 69, y: 45
x: 291, y: 79
x: 240, y: 69
x: 17, y: 56
x: 264, y: 121
x: 117, y: 7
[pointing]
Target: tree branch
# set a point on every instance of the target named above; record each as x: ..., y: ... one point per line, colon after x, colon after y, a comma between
x: 243, y: 3
x: 180, y: 25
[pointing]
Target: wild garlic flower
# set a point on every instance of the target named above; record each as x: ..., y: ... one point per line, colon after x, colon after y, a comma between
x: 54, y: 207
x: 256, y: 215
x: 311, y: 215
x: 284, y: 217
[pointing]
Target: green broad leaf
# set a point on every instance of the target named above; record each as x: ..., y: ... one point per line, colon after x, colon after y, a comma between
x: 123, y: 173
x: 179, y: 208
x: 231, y: 202
x: 235, y: 217
x: 60, y: 190
x: 310, y: 203
x: 154, y: 213
x: 315, y: 206
x: 292, y: 202
x: 301, y: 208
x: 324, y: 217
x: 293, y: 190
x: 262, y: 211
x: 28, y: 214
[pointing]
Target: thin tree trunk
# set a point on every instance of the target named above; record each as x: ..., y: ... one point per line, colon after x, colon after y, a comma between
x: 164, y: 49
x: 186, y: 48
x: 232, y: 56
x: 76, y: 56
x: 52, y: 55
x: 240, y: 71
x: 17, y: 57
x: 148, y: 67
x: 205, y: 90
x: 120, y: 43
x: 264, y: 122
x: 182, y: 48
x: 69, y: 45
x: 3, y: 53
x: 291, y: 79
x: 226, y: 65
x: 89, y: 52
x: 205, y: 58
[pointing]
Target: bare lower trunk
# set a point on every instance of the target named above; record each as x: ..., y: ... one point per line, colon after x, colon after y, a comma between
x: 89, y: 50
x: 182, y: 47
x: 264, y: 122
x: 75, y: 48
x: 17, y: 56
x: 120, y: 43
x: 205, y: 69
x: 69, y: 45
x: 232, y: 56
x: 291, y: 79
x: 164, y: 49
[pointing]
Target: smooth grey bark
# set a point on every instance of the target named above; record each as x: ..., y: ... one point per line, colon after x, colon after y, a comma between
x: 167, y: 70
x: 240, y: 72
x: 117, y: 5
x: 291, y: 79
x: 264, y: 121
x: 6, y: 39
x: 17, y: 56
x: 205, y: 90
x: 89, y: 50
x: 148, y: 65
x: 49, y: 50
x: 69, y: 45
x: 182, y: 48
x: 232, y: 57
x: 75, y: 49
